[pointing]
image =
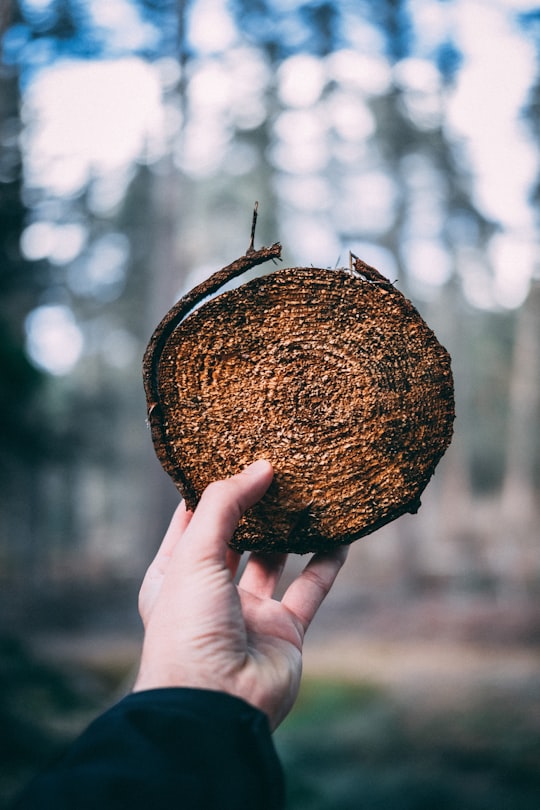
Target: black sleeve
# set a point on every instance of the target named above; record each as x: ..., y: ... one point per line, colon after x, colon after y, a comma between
x: 182, y: 749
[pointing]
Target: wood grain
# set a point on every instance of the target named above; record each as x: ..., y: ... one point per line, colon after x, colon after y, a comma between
x: 332, y: 375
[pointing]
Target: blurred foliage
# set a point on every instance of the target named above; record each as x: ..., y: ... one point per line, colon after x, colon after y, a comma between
x: 347, y: 744
x: 351, y: 745
x: 41, y: 709
x: 18, y: 280
x: 367, y: 163
x: 83, y: 499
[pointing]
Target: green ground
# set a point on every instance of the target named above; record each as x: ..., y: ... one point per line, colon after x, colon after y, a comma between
x: 348, y: 743
x: 352, y: 746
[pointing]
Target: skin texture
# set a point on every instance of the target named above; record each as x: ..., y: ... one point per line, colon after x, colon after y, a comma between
x: 202, y: 630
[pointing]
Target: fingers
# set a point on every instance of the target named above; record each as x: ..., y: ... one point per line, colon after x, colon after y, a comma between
x: 221, y: 506
x: 232, y: 560
x: 262, y: 574
x: 179, y: 523
x: 155, y: 573
x: 305, y: 595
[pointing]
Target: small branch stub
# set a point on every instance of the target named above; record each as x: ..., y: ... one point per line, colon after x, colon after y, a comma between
x: 251, y: 248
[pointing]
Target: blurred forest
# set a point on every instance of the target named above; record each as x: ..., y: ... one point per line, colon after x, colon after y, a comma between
x: 135, y: 136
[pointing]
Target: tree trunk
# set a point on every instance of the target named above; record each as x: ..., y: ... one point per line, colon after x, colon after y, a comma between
x: 519, y: 507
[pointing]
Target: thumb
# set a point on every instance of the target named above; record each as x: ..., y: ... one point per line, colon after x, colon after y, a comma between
x: 221, y: 506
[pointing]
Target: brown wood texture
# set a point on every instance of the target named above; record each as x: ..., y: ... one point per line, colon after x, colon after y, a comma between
x: 332, y: 375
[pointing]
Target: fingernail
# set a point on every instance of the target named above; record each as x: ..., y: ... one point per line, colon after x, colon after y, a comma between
x: 256, y: 467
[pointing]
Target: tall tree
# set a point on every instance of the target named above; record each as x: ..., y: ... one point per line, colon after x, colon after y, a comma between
x: 520, y: 511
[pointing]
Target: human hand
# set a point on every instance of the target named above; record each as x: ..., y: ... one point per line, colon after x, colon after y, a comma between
x: 202, y: 630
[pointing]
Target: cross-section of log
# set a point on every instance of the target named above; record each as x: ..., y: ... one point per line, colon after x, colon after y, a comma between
x: 331, y: 375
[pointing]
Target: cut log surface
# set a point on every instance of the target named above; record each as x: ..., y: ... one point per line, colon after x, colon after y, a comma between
x: 331, y: 375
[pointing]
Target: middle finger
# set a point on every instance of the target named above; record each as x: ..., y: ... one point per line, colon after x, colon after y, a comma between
x: 262, y: 573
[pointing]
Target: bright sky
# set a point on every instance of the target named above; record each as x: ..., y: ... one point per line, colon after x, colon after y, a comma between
x: 89, y: 118
x: 89, y: 121
x: 485, y: 112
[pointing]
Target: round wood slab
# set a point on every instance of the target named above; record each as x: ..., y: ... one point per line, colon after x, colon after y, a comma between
x: 331, y: 375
